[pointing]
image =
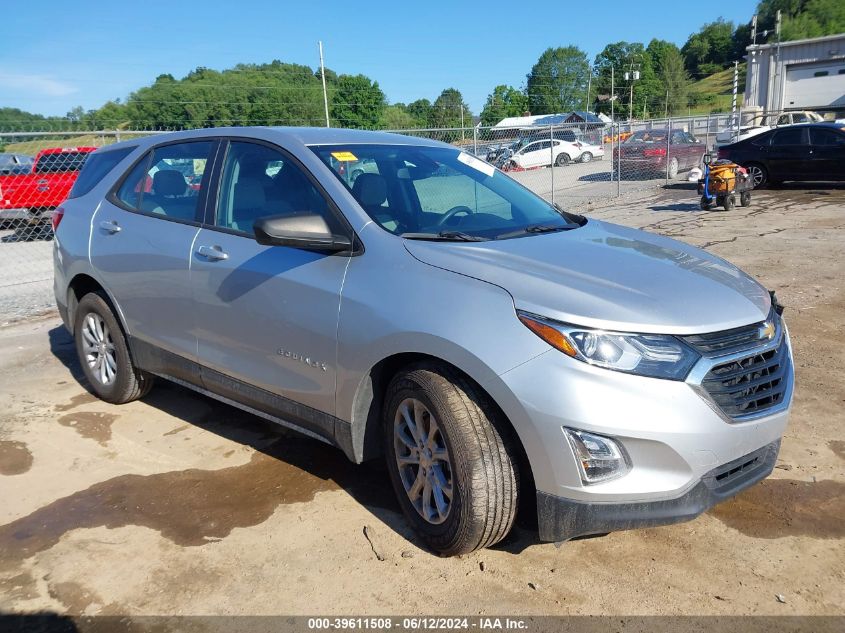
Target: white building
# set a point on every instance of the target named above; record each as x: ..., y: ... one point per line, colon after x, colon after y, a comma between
x: 799, y: 75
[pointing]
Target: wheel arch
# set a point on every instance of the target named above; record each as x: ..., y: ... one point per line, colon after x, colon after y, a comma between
x: 82, y: 284
x: 368, y: 403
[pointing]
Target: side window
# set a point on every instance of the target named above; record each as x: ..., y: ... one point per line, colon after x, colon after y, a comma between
x: 789, y: 136
x: 168, y: 180
x: 260, y: 181
x: 783, y: 119
x: 679, y: 137
x: 96, y: 168
x: 799, y: 117
x: 826, y: 137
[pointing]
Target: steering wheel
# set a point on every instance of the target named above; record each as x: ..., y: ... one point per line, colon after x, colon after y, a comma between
x: 453, y: 212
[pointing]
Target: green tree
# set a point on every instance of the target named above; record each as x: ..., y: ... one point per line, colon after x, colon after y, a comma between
x: 669, y: 69
x: 558, y: 81
x: 449, y: 110
x: 710, y: 49
x: 627, y: 57
x: 397, y: 117
x: 504, y: 101
x: 421, y: 111
x: 357, y: 102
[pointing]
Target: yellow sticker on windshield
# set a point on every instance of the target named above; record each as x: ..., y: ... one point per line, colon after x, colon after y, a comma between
x: 344, y: 156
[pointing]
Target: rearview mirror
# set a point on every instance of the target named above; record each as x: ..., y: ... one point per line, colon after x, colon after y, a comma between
x: 308, y: 232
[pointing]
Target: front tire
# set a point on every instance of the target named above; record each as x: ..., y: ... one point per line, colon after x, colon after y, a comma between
x: 104, y: 354
x: 455, y: 474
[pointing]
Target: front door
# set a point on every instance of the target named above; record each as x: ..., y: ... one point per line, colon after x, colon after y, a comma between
x: 267, y: 315
x: 141, y: 243
x: 827, y: 154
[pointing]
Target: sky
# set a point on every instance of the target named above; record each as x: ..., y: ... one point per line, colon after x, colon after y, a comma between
x: 55, y: 56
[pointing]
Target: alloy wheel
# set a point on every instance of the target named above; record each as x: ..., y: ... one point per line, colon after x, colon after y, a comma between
x: 99, y: 349
x: 423, y: 460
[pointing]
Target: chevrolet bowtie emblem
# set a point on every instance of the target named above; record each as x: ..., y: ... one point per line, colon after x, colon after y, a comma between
x: 767, y: 331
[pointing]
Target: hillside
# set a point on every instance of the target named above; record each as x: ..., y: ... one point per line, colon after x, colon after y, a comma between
x: 714, y: 93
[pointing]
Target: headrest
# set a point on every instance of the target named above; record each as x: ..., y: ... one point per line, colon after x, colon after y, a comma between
x: 169, y: 182
x: 249, y: 194
x: 370, y: 189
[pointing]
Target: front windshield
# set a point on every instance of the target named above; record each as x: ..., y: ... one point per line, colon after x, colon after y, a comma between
x: 439, y: 191
x: 647, y: 136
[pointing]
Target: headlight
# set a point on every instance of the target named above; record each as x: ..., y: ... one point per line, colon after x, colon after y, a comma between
x: 654, y: 355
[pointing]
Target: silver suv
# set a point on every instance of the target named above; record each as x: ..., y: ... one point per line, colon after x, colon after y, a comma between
x: 498, y: 352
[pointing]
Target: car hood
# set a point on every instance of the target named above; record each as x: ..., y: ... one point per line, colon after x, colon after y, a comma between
x: 608, y: 276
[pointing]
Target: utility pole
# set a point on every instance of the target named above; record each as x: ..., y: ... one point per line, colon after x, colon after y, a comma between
x: 612, y: 94
x: 666, y: 110
x: 462, y: 122
x: 632, y: 75
x: 323, y: 76
x: 589, y: 85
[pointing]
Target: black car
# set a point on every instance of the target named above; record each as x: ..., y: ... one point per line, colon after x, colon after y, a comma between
x: 809, y: 152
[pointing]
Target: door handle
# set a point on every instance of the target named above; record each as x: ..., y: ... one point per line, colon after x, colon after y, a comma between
x: 110, y: 226
x: 213, y: 253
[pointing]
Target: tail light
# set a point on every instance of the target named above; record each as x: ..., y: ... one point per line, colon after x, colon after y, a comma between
x: 58, y: 214
x: 656, y: 151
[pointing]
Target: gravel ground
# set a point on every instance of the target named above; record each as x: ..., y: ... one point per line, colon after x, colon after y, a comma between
x: 180, y: 505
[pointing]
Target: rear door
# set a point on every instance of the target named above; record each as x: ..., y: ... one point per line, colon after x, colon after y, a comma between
x: 141, y: 244
x: 266, y: 316
x: 788, y: 154
x: 827, y: 154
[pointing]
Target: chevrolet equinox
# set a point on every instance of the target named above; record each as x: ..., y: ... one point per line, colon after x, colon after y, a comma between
x: 496, y: 350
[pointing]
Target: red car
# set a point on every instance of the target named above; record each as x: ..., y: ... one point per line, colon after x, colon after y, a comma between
x: 646, y: 154
x: 29, y: 196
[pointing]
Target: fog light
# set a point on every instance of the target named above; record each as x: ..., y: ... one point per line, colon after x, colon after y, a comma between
x: 599, y: 458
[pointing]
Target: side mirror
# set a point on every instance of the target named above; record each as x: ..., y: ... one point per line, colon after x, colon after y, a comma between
x: 308, y: 232
x: 708, y: 158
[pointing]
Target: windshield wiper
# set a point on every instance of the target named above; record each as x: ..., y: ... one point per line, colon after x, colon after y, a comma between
x: 535, y: 228
x: 544, y: 228
x: 445, y: 236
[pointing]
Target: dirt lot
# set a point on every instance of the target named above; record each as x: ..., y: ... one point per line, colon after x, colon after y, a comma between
x: 180, y: 505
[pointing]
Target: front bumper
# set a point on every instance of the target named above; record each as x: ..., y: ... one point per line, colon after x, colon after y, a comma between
x: 677, y: 438
x: 563, y: 519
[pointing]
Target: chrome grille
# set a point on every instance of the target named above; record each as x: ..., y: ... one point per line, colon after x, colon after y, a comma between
x: 752, y: 384
x: 731, y: 341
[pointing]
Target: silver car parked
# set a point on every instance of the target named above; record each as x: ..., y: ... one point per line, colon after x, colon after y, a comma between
x: 499, y: 353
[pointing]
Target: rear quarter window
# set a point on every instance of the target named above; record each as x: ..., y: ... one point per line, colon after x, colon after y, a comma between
x: 96, y: 168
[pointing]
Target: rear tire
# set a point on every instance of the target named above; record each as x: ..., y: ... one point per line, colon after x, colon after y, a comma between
x: 562, y: 159
x: 104, y: 354
x: 586, y: 157
x: 673, y: 169
x: 730, y: 202
x: 745, y: 199
x: 458, y: 448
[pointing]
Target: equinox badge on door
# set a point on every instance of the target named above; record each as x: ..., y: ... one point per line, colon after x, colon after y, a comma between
x: 302, y: 359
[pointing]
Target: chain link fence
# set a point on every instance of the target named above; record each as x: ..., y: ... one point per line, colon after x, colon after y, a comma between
x: 576, y: 165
